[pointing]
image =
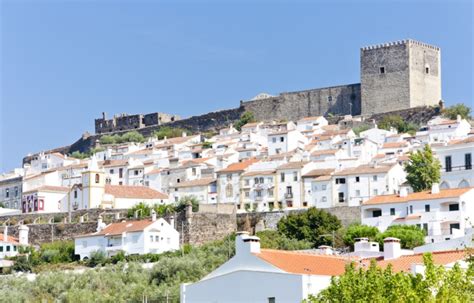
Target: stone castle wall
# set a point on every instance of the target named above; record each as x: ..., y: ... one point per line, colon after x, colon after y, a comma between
x: 336, y: 100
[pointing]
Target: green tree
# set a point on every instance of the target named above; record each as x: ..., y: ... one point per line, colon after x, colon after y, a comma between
x: 186, y: 200
x: 313, y: 225
x: 79, y: 155
x: 170, y: 132
x: 374, y: 284
x: 398, y: 123
x: 275, y: 240
x: 107, y: 139
x: 246, y: 117
x: 355, y: 231
x: 133, y: 136
x: 410, y: 235
x: 118, y: 139
x: 97, y: 257
x: 423, y: 169
x: 457, y: 109
x: 142, y: 208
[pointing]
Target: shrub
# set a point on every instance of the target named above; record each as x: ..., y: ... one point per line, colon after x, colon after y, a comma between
x: 187, y: 200
x: 133, y: 136
x: 457, y: 109
x: 96, y: 258
x: 246, y: 117
x: 410, y: 235
x: 275, y: 240
x: 398, y: 123
x: 107, y: 139
x: 170, y: 132
x: 355, y: 231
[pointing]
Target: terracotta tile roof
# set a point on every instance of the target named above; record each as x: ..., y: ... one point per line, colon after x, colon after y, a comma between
x: 194, y: 162
x: 145, y: 151
x: 259, y: 173
x: 154, y: 171
x: 193, y: 183
x: 395, y: 144
x: 324, y: 152
x: 121, y: 227
x: 9, y: 239
x: 293, y: 165
x: 318, y: 173
x: 238, y: 167
x: 305, y: 263
x: 310, y: 118
x: 464, y: 141
x: 111, y: 163
x: 404, y: 263
x: 133, y: 192
x: 365, y: 169
x: 423, y: 195
x: 409, y: 217
x: 281, y: 132
x: 252, y: 124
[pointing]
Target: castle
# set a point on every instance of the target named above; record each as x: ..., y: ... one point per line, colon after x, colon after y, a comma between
x: 393, y: 76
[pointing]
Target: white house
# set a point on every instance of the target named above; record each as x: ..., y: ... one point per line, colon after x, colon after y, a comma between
x: 444, y: 130
x: 229, y: 179
x: 290, y: 192
x: 205, y: 190
x: 132, y: 237
x: 11, y: 185
x: 44, y: 199
x: 264, y: 275
x: 317, y: 185
x: 456, y: 161
x: 9, y: 245
x: 311, y: 123
x: 444, y: 214
x: 284, y: 141
x: 377, y: 135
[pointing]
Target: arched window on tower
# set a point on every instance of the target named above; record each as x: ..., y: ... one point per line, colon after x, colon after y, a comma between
x: 97, y: 178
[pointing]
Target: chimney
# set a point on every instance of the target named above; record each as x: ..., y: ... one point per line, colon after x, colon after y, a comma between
x: 325, y: 250
x: 391, y: 248
x: 23, y: 234
x: 363, y: 244
x: 245, y: 244
x: 100, y: 224
x: 5, y: 233
x: 403, y: 192
x: 153, y: 215
x: 435, y: 188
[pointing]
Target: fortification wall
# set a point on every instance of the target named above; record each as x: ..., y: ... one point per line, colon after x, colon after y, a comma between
x: 336, y: 100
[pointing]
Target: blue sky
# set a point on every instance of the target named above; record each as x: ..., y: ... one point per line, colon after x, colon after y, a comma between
x: 64, y: 62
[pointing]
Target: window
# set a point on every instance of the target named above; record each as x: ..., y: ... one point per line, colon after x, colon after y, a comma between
x: 1, y: 248
x: 295, y: 176
x: 289, y: 190
x: 357, y: 179
x: 305, y: 204
x: 97, y: 178
x: 260, y: 180
x: 392, y: 211
x: 111, y: 171
x: 468, y: 161
x: 16, y: 191
x: 454, y: 207
x: 341, y: 197
x: 376, y: 213
x: 259, y: 193
x: 8, y: 247
x: 374, y: 177
x: 323, y: 199
x: 7, y: 192
x: 271, y: 300
x: 357, y: 193
x: 323, y: 187
x: 255, y: 180
x: 193, y: 171
x: 120, y: 172
x: 229, y: 177
x: 340, y: 181
x: 178, y: 180
x: 427, y: 208
x: 382, y: 70
x: 427, y: 70
x: 451, y: 227
x: 151, y: 238
x: 282, y: 139
x: 247, y: 194
x: 274, y: 139
x: 411, y: 209
x: 376, y: 192
x: 282, y: 177
x: 229, y: 190
x: 329, y: 98
x: 447, y: 163
x: 247, y: 181
x: 75, y: 194
x: 270, y: 192
x: 425, y: 227
x: 120, y: 183
x: 135, y: 172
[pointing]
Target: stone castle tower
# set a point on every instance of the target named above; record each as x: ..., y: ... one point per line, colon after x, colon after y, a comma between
x: 399, y: 75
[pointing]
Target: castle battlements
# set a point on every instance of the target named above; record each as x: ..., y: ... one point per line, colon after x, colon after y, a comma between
x: 399, y: 42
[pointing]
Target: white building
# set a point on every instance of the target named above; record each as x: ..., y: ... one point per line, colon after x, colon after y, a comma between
x: 205, y: 190
x: 132, y: 237
x: 44, y: 199
x: 317, y: 185
x: 290, y: 191
x: 11, y: 185
x: 444, y: 130
x: 284, y: 141
x: 9, y: 245
x: 456, y: 161
x: 443, y: 214
x: 229, y: 181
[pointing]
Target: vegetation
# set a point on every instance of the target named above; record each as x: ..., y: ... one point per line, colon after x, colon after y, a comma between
x: 410, y: 235
x: 144, y: 210
x: 361, y: 128
x: 423, y: 169
x: 170, y: 132
x: 181, y: 205
x: 383, y: 285
x: 246, y: 117
x: 355, y: 231
x: 87, y: 154
x: 457, y: 109
x: 207, y: 145
x: 314, y: 225
x: 398, y: 123
x: 275, y: 240
x: 107, y: 139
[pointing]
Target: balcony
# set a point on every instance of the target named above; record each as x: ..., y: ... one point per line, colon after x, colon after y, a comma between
x: 467, y: 166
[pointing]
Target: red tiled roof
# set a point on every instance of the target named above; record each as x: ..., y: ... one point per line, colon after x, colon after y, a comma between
x: 50, y: 188
x: 193, y: 183
x: 9, y: 239
x: 259, y: 173
x: 365, y: 169
x: 404, y: 263
x: 134, y: 192
x: 318, y: 172
x: 304, y: 263
x: 324, y: 152
x: 293, y: 165
x: 423, y: 195
x: 238, y: 167
x: 127, y: 226
x: 395, y: 144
